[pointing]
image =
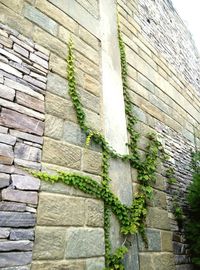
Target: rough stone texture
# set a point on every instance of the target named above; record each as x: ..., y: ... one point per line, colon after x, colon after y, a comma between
x: 19, y: 196
x: 154, y: 241
x: 53, y: 127
x: 25, y: 182
x: 92, y: 161
x: 76, y: 239
x: 61, y: 154
x: 58, y: 265
x: 160, y: 223
x: 50, y: 210
x: 22, y: 234
x: 45, y: 238
x: 175, y: 41
x: 8, y: 259
x: 95, y: 213
x: 23, y: 72
x: 14, y: 219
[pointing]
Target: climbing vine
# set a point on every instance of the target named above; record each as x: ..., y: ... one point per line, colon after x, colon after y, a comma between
x: 131, y: 218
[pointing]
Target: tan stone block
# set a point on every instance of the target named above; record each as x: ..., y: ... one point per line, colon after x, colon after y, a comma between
x: 51, y: 43
x: 166, y: 241
x: 137, y: 89
x: 148, y: 59
x: 53, y: 127
x: 60, y: 210
x: 62, y: 154
x: 58, y: 65
x: 146, y: 261
x: 92, y: 161
x: 15, y: 21
x: 163, y: 261
x: 49, y: 243
x: 60, y: 107
x: 58, y: 265
x: 158, y: 218
x: 159, y: 199
x: 56, y: 14
x: 16, y: 5
x: 89, y: 38
x: 91, y: 84
x: 93, y: 120
x: 95, y: 213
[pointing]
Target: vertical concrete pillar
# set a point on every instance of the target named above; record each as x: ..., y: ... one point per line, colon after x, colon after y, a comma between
x: 114, y: 116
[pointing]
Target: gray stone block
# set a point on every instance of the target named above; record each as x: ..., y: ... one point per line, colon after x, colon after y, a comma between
x: 26, y: 137
x: 12, y: 206
x: 21, y: 50
x: 73, y: 134
x: 7, y: 92
x: 16, y: 219
x: 41, y: 19
x: 8, y: 259
x: 4, y: 233
x: 21, y: 234
x: 154, y: 241
x: 57, y: 85
x: 19, y: 196
x: 25, y: 182
x: 7, y: 139
x: 27, y: 152
x: 6, y: 154
x: 22, y: 245
x: 84, y: 242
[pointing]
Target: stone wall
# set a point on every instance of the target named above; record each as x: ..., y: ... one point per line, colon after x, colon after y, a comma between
x: 23, y: 76
x: 163, y: 101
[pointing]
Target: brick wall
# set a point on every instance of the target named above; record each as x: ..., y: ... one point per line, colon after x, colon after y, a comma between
x: 163, y: 101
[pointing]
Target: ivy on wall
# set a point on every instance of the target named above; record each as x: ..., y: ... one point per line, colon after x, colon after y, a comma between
x: 131, y: 218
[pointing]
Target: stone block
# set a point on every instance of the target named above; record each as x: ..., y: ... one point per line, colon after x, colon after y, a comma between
x: 16, y: 219
x: 89, y: 38
x: 6, y: 42
x: 58, y: 65
x: 12, y: 206
x: 159, y: 199
x: 34, y: 82
x: 6, y: 168
x: 23, y: 43
x: 60, y: 107
x: 38, y: 76
x: 49, y: 243
x: 25, y: 182
x: 84, y: 242
x: 16, y: 6
x: 53, y: 127
x: 8, y: 259
x: 89, y: 101
x: 58, y: 265
x: 7, y: 92
x: 57, y: 85
x: 163, y: 261
x: 27, y: 152
x: 40, y: 19
x: 73, y: 134
x: 50, y: 210
x: 95, y: 213
x: 50, y: 42
x: 7, y: 139
x: 4, y: 233
x: 91, y: 84
x: 160, y: 182
x: 166, y: 241
x: 24, y: 267
x: 21, y: 50
x: 146, y: 83
x: 22, y: 234
x: 4, y: 182
x: 6, y: 154
x: 158, y: 218
x: 7, y: 68
x: 26, y: 136
x: 21, y: 122
x: 92, y: 161
x: 27, y: 164
x: 23, y: 88
x: 30, y: 102
x: 38, y: 60
x: 58, y: 15
x: 146, y: 261
x: 95, y: 264
x: 19, y: 196
x: 61, y: 154
x: 93, y: 120
x: 21, y: 245
x: 154, y: 241
x: 10, y: 56
x: 3, y: 130
x: 21, y: 109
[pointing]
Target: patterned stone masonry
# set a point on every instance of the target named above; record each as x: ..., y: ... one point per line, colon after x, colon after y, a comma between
x: 23, y: 72
x: 179, y: 150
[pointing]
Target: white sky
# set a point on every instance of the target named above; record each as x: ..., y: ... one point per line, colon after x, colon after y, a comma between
x: 189, y: 11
